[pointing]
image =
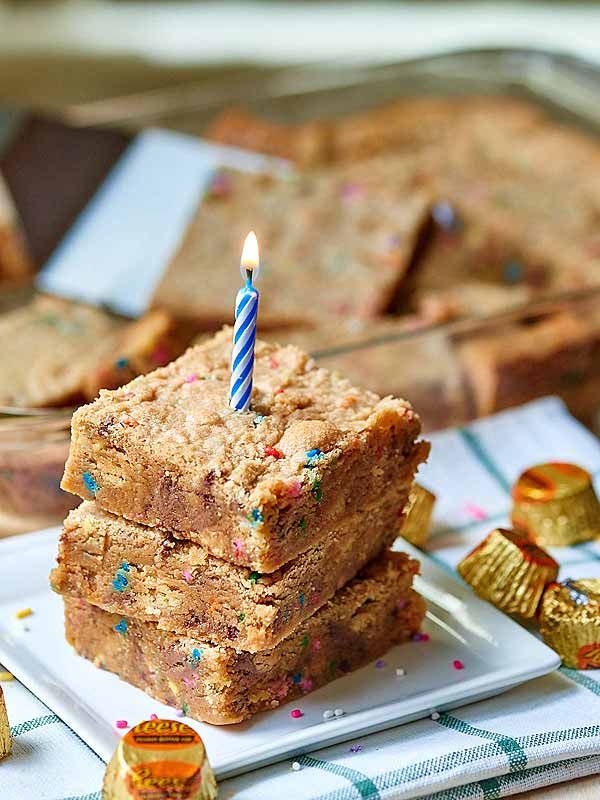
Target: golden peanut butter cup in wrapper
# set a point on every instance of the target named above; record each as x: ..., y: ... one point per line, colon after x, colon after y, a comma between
x: 417, y: 517
x: 556, y: 505
x: 5, y: 734
x: 510, y: 571
x: 159, y: 759
x: 570, y: 622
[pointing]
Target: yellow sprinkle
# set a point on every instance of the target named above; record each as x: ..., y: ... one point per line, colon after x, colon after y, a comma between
x: 6, y: 676
x: 24, y: 612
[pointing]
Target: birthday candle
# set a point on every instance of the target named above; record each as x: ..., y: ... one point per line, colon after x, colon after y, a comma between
x: 244, y: 331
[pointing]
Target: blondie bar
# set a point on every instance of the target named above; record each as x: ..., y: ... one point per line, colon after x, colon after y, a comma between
x: 216, y: 684
x: 333, y: 244
x: 255, y: 488
x: 142, y: 572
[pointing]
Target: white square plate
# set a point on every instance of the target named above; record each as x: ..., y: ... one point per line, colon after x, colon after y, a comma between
x: 496, y: 653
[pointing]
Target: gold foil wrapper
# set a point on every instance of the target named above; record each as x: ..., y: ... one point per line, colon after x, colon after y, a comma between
x: 570, y: 622
x: 417, y: 517
x: 159, y: 759
x: 510, y: 571
x: 556, y: 505
x: 5, y: 734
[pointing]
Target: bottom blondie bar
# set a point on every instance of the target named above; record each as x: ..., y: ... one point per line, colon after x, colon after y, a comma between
x: 216, y: 684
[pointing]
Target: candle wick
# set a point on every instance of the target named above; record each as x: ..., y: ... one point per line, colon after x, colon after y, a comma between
x: 249, y: 278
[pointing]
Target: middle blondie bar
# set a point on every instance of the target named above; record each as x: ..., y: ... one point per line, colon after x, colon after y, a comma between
x: 255, y: 488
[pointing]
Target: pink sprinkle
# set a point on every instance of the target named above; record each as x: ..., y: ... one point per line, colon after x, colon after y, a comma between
x: 180, y: 713
x: 122, y: 723
x: 296, y: 713
x: 475, y: 511
x: 153, y: 716
x: 352, y: 190
x: 307, y: 684
x: 458, y: 664
x: 238, y: 547
x: 161, y: 355
x: 191, y: 378
x: 187, y: 576
x: 380, y: 663
x: 402, y: 604
x: 317, y: 645
x: 315, y: 599
x: 273, y: 362
x: 295, y: 488
x: 420, y: 637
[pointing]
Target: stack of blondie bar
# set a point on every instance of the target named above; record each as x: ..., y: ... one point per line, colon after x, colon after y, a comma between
x: 226, y: 561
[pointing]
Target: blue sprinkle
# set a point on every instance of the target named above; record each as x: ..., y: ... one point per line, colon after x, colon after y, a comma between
x: 301, y: 600
x: 259, y: 417
x: 121, y: 363
x: 313, y: 455
x: 125, y: 566
x: 314, y: 452
x: 445, y: 216
x: 196, y: 656
x: 121, y: 627
x: 120, y: 583
x: 256, y: 516
x: 90, y: 482
x: 513, y: 272
x: 297, y: 677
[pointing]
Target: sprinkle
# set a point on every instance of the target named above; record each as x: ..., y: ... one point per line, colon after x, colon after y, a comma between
x: 401, y: 604
x: 339, y: 712
x: 356, y: 748
x: 273, y: 451
x: 295, y: 490
x: 297, y: 677
x: 301, y: 600
x: 305, y: 641
x: 90, y: 483
x: 307, y: 684
x: 273, y: 362
x: 303, y: 523
x: 125, y: 566
x: 317, y: 645
x: 475, y: 511
x: 380, y: 663
x: 255, y: 577
x: 153, y: 716
x: 281, y: 390
x: 352, y: 191
x: 121, y: 627
x: 242, y: 617
x: 220, y: 185
x: 313, y: 456
x: 23, y: 613
x: 6, y: 676
x: 420, y: 637
x: 257, y: 420
x: 238, y: 547
x: 161, y: 355
x: 256, y: 516
x: 296, y: 713
x: 444, y: 215
x: 317, y: 491
x: 185, y: 708
x: 434, y: 716
x: 122, y: 723
x: 191, y: 378
x: 121, y: 363
x: 195, y: 657
x: 400, y: 672
x: 180, y: 712
x: 296, y: 765
x: 187, y: 576
x: 513, y: 272
x: 458, y: 664
x: 120, y: 583
x: 328, y: 713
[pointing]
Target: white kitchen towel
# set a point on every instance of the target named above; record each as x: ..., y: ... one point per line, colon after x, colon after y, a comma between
x: 543, y: 732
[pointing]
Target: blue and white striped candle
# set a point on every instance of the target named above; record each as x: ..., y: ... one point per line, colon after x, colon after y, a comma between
x: 244, y: 331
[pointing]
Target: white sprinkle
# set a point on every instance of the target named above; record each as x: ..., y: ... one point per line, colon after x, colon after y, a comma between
x: 400, y: 672
x: 339, y: 712
x: 435, y: 716
x: 296, y: 766
x: 328, y: 714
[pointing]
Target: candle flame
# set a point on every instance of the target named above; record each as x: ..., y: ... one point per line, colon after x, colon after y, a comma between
x: 250, y: 260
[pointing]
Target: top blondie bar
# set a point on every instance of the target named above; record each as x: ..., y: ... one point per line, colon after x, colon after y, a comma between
x: 256, y: 488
